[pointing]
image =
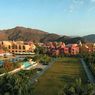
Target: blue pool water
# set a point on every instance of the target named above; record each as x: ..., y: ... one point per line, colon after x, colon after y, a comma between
x: 1, y: 63
x: 12, y: 60
x: 16, y: 59
x: 26, y: 64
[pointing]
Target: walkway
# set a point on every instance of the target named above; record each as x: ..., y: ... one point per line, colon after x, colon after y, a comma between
x: 89, y: 74
x: 35, y: 77
x: 12, y: 72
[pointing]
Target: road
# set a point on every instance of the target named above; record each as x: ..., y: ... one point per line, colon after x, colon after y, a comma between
x: 35, y: 77
x: 89, y: 74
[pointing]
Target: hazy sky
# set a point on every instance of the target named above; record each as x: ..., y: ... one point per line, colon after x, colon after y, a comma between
x: 66, y: 17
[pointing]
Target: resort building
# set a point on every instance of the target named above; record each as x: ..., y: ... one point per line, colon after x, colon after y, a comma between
x: 94, y: 47
x: 17, y: 46
x: 62, y: 49
x: 2, y: 52
x: 88, y: 47
x: 73, y: 49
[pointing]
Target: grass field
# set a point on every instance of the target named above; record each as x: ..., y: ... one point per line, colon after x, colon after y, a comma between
x: 64, y: 70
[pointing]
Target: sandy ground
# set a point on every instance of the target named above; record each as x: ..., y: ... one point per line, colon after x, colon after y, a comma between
x: 2, y: 58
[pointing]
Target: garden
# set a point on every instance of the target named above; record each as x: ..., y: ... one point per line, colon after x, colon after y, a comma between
x: 64, y: 71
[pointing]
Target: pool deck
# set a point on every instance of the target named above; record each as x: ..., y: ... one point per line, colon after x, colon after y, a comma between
x: 12, y: 72
x: 19, y: 69
x: 9, y: 57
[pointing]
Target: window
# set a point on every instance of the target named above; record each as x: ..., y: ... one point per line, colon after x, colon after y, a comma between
x: 15, y: 46
x: 19, y: 46
x: 12, y: 47
x: 23, y: 47
x: 12, y: 51
x: 9, y: 47
x: 2, y: 43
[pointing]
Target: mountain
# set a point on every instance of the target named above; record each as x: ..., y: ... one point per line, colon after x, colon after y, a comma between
x: 90, y: 38
x: 22, y: 33
x: 84, y: 39
x: 3, y: 36
x: 50, y: 38
x: 27, y: 34
x: 70, y: 40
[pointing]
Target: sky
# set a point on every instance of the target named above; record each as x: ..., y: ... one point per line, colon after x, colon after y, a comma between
x: 64, y: 17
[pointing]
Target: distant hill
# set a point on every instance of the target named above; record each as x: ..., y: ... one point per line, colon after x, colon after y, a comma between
x: 25, y: 34
x: 22, y: 33
x: 90, y: 38
x: 28, y: 34
x: 50, y: 38
x: 63, y: 39
x: 3, y: 36
x: 70, y: 40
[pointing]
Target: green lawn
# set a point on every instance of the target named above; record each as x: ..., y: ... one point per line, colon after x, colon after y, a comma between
x: 64, y: 70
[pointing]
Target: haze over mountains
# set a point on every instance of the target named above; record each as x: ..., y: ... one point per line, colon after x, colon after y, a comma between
x: 28, y: 34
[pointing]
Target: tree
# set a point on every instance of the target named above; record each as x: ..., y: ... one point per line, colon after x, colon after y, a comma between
x: 77, y: 88
x: 8, y: 66
x: 39, y: 50
x: 15, y: 85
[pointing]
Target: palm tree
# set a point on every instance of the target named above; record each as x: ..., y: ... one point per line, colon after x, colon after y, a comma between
x: 77, y: 88
x: 14, y: 85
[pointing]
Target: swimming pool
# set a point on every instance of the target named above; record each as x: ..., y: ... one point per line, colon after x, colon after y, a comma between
x: 26, y: 64
x: 16, y: 59
x: 1, y: 63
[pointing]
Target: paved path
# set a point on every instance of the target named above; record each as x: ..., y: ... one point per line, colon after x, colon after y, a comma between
x: 89, y: 74
x: 35, y: 77
x: 12, y: 72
